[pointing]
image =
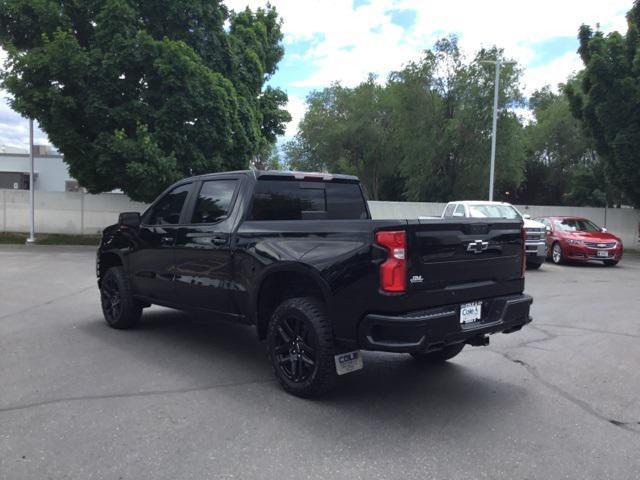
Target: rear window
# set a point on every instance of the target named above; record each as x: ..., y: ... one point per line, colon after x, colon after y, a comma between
x: 493, y: 211
x: 295, y: 200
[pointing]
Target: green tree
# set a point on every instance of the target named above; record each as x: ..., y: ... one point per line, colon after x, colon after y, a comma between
x: 137, y: 94
x: 607, y: 100
x: 424, y: 134
x: 557, y: 149
x: 443, y: 116
x: 346, y: 130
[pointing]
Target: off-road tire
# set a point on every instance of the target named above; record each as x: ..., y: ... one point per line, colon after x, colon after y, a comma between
x: 439, y: 356
x: 120, y: 309
x: 310, y: 313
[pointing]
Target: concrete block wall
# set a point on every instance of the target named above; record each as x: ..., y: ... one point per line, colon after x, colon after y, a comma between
x: 63, y: 212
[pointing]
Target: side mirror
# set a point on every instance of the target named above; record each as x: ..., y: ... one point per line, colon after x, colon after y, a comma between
x: 604, y: 230
x: 458, y: 214
x: 526, y: 216
x: 548, y: 229
x: 129, y: 220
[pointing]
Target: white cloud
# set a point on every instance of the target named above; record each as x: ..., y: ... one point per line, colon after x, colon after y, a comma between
x: 14, y: 129
x: 355, y: 42
x: 553, y: 73
x: 296, y: 108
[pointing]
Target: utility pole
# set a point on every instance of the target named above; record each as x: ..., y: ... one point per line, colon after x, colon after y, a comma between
x: 32, y: 237
x: 498, y: 63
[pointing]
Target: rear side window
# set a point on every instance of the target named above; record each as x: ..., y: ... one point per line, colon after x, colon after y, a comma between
x: 294, y: 200
x: 168, y: 209
x: 214, y: 201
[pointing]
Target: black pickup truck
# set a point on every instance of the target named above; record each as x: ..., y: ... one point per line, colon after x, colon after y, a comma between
x: 298, y: 256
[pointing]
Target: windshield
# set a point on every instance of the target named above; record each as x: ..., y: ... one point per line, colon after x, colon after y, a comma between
x: 576, y: 225
x: 493, y: 211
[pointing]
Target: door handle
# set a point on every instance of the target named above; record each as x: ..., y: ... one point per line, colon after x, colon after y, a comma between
x: 167, y: 240
x: 218, y: 240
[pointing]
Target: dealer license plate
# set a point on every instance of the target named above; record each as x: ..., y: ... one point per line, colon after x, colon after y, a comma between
x: 603, y: 253
x: 348, y: 362
x: 470, y: 312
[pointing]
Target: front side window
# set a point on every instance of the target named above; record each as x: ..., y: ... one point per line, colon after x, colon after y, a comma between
x: 214, y: 201
x: 168, y: 209
x: 459, y: 211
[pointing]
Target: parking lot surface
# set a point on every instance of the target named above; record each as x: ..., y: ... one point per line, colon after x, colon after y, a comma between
x: 189, y: 397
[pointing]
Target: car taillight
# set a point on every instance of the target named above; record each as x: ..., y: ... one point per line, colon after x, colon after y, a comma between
x: 523, y: 263
x: 393, y: 271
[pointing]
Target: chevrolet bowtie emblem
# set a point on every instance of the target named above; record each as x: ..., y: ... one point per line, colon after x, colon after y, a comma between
x: 477, y: 246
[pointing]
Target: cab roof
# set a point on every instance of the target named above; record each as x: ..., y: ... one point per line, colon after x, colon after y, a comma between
x: 284, y: 174
x: 480, y: 202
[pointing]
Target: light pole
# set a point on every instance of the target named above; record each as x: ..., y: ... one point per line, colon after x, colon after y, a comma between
x: 498, y: 63
x: 32, y: 237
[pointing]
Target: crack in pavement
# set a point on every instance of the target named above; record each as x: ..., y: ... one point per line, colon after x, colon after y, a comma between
x: 584, y: 406
x: 148, y: 393
x: 592, y: 330
x: 48, y: 302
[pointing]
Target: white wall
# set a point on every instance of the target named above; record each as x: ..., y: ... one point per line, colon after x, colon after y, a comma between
x: 51, y: 171
x: 79, y: 213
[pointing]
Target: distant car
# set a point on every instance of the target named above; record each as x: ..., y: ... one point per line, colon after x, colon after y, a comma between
x: 535, y: 242
x: 579, y: 239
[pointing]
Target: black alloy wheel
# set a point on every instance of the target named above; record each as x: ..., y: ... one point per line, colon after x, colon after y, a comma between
x: 295, y: 348
x: 120, y: 309
x: 111, y: 299
x: 301, y: 348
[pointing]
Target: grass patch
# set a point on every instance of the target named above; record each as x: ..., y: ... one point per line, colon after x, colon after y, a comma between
x: 10, y: 238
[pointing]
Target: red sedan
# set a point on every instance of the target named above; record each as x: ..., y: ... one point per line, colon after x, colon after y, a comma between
x: 579, y: 239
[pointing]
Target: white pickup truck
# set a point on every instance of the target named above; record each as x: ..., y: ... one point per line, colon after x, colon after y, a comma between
x: 535, y: 241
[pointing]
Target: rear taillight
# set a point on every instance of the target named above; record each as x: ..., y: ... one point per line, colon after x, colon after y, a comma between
x: 523, y: 263
x: 393, y: 271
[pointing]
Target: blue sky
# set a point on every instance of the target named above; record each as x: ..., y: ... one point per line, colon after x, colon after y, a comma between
x: 345, y: 40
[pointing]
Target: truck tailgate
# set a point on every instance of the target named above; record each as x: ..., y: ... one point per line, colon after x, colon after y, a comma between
x: 463, y: 254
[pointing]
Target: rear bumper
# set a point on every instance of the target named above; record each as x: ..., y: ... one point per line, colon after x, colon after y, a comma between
x: 435, y: 328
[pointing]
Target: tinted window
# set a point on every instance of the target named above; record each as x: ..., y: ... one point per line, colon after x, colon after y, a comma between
x: 293, y: 200
x: 213, y: 201
x: 168, y: 209
x: 449, y: 210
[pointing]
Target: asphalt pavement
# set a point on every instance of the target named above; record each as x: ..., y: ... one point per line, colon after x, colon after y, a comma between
x: 189, y: 397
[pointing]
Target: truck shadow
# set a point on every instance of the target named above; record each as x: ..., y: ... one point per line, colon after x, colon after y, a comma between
x: 392, y: 390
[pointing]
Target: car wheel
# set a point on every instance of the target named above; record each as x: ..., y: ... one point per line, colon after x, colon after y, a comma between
x: 533, y: 266
x: 439, y: 356
x: 610, y: 263
x: 556, y: 254
x: 119, y: 308
x: 301, y: 349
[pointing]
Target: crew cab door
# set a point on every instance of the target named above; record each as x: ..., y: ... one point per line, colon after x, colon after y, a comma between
x: 204, y: 274
x: 151, y: 260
